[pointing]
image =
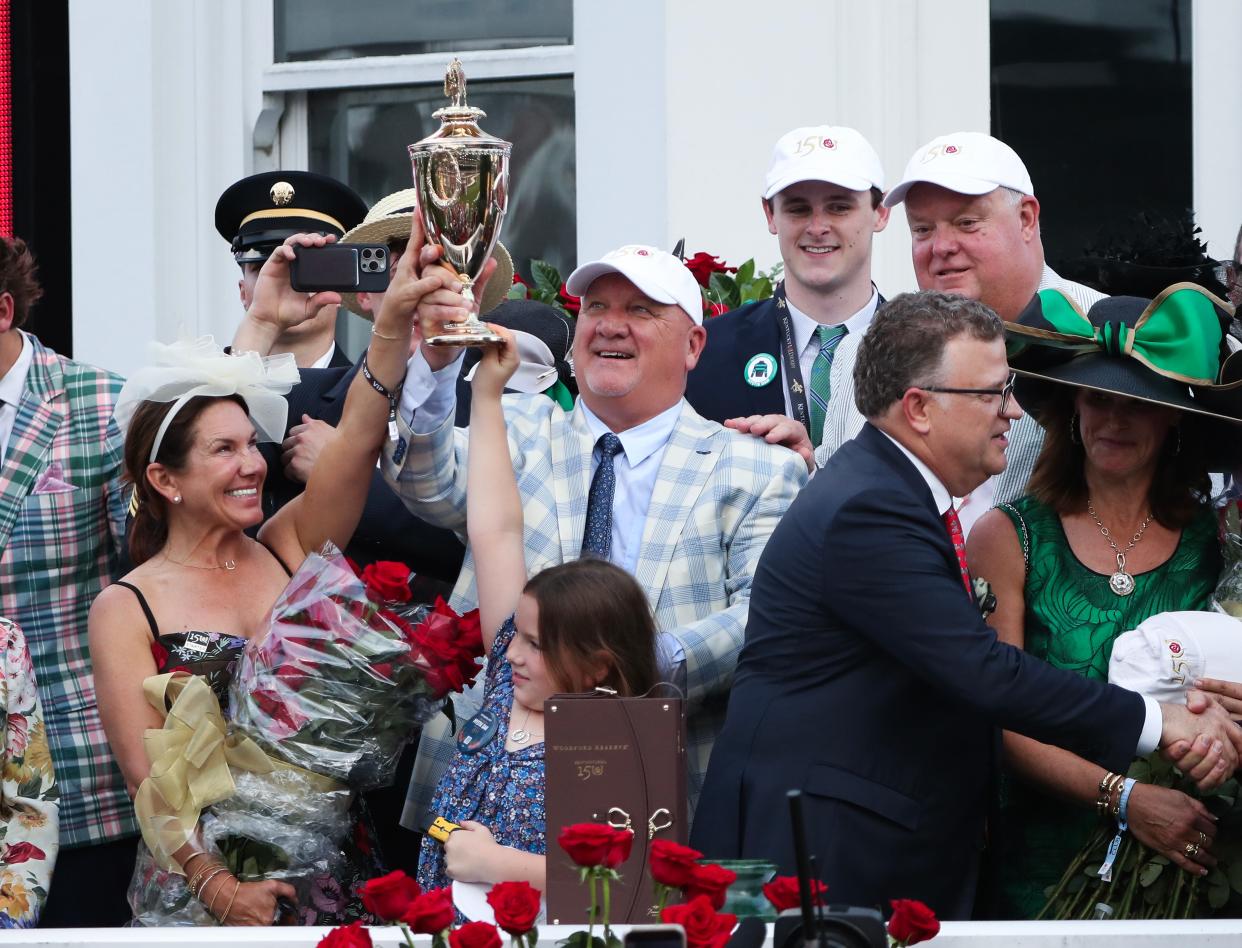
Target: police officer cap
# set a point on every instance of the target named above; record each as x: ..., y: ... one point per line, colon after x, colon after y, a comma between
x: 257, y: 213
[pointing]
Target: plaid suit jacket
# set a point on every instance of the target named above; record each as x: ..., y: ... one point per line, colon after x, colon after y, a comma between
x: 57, y: 550
x: 717, y: 498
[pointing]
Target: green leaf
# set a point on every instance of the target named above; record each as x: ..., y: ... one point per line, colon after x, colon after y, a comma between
x: 746, y: 272
x: 30, y: 789
x: 1150, y: 873
x: 516, y: 292
x: 547, y: 277
x: 724, y: 290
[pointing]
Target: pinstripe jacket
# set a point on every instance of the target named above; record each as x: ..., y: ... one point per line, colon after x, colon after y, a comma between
x: 60, y: 540
x: 718, y: 496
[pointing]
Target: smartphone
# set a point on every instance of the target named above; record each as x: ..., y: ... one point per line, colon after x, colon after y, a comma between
x: 344, y: 268
x: 655, y: 936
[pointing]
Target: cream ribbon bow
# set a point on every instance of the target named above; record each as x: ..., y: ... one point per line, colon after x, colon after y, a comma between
x: 191, y: 757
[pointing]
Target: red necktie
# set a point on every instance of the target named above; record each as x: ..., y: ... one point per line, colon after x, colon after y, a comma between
x: 954, y: 526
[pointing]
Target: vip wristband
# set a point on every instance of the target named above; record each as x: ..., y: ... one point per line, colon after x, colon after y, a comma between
x: 391, y: 396
x: 1106, y: 870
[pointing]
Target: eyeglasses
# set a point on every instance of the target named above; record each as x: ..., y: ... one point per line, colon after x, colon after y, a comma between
x: 1005, y: 393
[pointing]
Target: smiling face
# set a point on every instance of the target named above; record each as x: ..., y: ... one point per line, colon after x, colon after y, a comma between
x: 532, y: 684
x: 221, y: 482
x: 825, y: 232
x: 1122, y: 437
x: 967, y: 432
x: 984, y: 247
x: 632, y: 354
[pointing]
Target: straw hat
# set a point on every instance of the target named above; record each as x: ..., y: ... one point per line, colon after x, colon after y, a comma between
x: 389, y: 219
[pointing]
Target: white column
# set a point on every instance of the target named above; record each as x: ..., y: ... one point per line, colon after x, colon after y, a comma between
x: 1216, y: 32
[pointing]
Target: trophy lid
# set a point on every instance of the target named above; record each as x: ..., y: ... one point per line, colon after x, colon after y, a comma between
x: 458, y: 120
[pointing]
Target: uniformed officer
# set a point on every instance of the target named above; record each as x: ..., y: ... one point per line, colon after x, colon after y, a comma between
x: 822, y: 200
x: 257, y: 213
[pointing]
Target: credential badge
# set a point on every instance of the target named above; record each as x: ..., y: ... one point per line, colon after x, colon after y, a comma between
x: 760, y: 370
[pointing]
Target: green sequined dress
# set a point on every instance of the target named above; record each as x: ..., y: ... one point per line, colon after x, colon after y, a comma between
x: 1072, y: 618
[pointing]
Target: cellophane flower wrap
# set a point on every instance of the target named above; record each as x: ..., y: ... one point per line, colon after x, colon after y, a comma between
x: 331, y: 691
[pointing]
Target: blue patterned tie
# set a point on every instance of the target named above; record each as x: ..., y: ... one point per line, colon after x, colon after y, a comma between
x: 597, y: 537
x: 820, y: 389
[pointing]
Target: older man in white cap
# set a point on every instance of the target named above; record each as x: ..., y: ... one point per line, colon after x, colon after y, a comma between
x: 687, y: 505
x: 974, y: 230
x: 822, y: 200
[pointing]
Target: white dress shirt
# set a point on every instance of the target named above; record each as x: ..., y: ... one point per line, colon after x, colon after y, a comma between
x: 1153, y: 722
x: 808, y: 346
x: 11, y: 387
x: 323, y: 361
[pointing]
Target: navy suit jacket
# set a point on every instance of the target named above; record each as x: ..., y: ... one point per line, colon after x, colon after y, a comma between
x: 387, y: 530
x: 717, y: 387
x: 869, y: 681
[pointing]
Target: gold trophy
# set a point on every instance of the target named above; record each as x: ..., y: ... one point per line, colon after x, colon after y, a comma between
x: 461, y: 174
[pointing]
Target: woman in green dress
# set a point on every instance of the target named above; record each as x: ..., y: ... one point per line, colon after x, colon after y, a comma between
x: 1115, y: 526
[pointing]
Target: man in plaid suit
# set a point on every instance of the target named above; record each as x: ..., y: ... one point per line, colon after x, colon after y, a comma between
x: 62, y: 517
x: 693, y: 503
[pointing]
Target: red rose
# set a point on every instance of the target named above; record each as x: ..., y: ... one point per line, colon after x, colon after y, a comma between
x: 782, y: 892
x: 619, y: 848
x: 20, y: 852
x: 516, y: 906
x: 475, y: 935
x: 704, y: 928
x: 672, y: 863
x: 160, y: 654
x: 291, y: 675
x: 431, y: 912
x: 390, y: 896
x: 912, y: 922
x: 572, y: 304
x: 716, y: 309
x: 712, y: 881
x: 353, y: 565
x: 347, y: 936
x: 387, y: 581
x: 589, y: 844
x: 703, y: 265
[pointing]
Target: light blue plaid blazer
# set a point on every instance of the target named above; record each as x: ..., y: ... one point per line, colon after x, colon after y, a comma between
x: 58, y: 548
x: 717, y: 498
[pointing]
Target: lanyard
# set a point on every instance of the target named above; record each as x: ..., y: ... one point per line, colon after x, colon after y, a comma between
x: 789, y: 359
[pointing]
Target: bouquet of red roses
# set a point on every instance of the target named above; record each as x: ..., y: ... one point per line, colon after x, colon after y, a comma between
x: 338, y: 683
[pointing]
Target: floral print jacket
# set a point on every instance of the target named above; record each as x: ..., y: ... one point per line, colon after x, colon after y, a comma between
x: 28, y: 795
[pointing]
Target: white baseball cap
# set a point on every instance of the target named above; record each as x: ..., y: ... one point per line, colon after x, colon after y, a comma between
x: 658, y: 274
x: 965, y: 162
x: 831, y: 153
x: 1167, y: 652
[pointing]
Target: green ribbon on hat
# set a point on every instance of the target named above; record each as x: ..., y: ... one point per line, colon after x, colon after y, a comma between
x: 1177, y: 336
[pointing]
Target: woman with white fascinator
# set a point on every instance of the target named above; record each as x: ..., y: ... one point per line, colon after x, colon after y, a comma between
x: 201, y: 586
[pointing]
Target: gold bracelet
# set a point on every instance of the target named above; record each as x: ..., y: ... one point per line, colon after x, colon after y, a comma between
x: 203, y: 885
x: 192, y: 885
x: 376, y: 332
x: 212, y: 904
x: 228, y: 908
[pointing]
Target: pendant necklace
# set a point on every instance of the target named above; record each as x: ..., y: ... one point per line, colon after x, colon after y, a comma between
x: 229, y: 565
x: 521, y: 735
x: 1121, y: 582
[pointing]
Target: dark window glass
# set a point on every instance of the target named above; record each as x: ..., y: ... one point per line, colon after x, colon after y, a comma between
x: 330, y: 29
x: 1095, y: 96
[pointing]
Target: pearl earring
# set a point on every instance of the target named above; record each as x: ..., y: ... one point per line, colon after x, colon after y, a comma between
x: 176, y: 498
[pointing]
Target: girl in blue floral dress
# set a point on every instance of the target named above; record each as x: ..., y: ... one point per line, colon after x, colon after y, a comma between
x: 569, y: 629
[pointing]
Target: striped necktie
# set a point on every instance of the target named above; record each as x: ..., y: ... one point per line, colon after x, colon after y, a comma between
x: 820, y: 389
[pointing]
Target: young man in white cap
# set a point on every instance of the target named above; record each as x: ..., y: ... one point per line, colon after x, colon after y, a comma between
x: 683, y: 504
x: 822, y: 200
x: 974, y: 230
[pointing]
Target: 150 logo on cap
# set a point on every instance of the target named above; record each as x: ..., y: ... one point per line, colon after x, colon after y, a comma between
x: 810, y: 143
x: 937, y: 150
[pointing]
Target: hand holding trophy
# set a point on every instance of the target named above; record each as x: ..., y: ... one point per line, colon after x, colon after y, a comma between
x: 461, y: 175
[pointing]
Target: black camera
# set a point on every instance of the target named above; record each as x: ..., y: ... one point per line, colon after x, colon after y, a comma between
x: 839, y: 926
x: 343, y: 268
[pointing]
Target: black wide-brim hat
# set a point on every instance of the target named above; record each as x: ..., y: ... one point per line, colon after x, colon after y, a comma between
x: 257, y: 213
x: 1170, y: 350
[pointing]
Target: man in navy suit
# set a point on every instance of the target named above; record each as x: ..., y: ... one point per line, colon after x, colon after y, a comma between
x: 869, y: 679
x: 822, y: 200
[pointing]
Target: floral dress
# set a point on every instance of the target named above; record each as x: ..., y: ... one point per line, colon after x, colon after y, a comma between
x: 502, y: 789
x: 334, y: 899
x: 29, y: 828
